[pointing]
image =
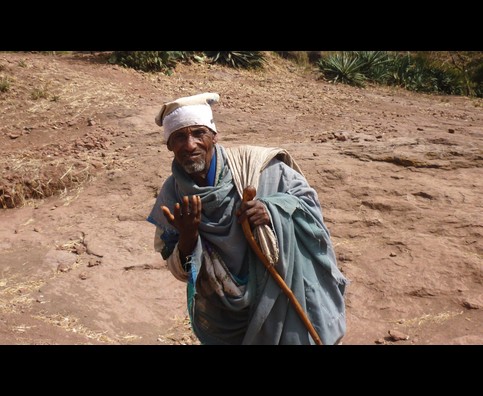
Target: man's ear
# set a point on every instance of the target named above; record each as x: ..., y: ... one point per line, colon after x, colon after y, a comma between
x: 215, y: 138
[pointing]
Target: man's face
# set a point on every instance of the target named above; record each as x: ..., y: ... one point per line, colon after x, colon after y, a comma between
x: 193, y: 148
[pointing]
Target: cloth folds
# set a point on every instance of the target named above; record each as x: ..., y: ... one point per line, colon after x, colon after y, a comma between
x: 231, y: 297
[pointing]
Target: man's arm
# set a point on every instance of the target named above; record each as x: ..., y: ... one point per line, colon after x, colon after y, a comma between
x: 172, y: 259
x: 186, y: 219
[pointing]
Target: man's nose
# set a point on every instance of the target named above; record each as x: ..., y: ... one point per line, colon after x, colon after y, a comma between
x: 190, y: 141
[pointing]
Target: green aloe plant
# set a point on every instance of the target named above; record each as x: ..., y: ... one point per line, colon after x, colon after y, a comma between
x: 345, y: 67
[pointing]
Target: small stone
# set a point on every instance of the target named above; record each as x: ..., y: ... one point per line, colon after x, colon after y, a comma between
x: 380, y: 341
x: 13, y: 135
x: 97, y: 164
x: 470, y: 304
x: 36, y: 229
x: 93, y: 249
x: 397, y: 335
x: 91, y: 122
x: 83, y: 276
x: 80, y: 249
x: 315, y: 154
x: 420, y: 129
x: 392, y: 254
x: 450, y: 130
x: 62, y: 267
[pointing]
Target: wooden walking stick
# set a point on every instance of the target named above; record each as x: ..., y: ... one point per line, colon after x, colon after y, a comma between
x: 248, y: 194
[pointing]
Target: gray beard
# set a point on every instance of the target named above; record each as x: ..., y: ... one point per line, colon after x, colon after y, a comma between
x: 195, y: 167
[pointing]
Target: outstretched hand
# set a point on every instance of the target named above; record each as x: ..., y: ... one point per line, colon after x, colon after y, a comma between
x: 186, y: 219
x: 186, y: 216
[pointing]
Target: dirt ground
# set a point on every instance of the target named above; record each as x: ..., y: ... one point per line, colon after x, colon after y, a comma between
x: 399, y: 176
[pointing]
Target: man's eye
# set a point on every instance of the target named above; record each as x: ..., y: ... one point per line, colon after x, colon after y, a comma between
x: 199, y: 134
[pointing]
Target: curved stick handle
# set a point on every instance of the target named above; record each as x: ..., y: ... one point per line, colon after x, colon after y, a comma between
x: 248, y: 194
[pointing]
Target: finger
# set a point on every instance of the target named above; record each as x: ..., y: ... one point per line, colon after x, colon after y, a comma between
x: 177, y: 210
x: 167, y: 214
x: 185, y: 210
x: 257, y: 215
x: 195, y: 205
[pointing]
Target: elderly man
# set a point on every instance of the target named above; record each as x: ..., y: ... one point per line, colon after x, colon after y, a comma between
x: 231, y: 297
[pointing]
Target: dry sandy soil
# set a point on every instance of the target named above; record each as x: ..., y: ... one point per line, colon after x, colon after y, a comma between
x: 399, y: 176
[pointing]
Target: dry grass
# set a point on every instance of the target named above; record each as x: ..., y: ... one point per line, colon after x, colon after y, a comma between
x: 180, y: 333
x: 430, y: 319
x: 73, y: 325
x: 41, y: 92
x: 22, y: 328
x: 71, y: 92
x: 70, y: 246
x: 16, y: 296
x: 4, y: 84
x: 25, y: 178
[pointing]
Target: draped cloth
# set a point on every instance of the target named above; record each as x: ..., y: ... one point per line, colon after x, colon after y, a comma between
x: 232, y: 299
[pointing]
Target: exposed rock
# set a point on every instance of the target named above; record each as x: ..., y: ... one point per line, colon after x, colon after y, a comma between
x: 60, y: 259
x: 396, y: 335
x: 470, y: 304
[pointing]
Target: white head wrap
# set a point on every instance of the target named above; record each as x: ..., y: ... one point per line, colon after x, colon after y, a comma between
x: 187, y: 111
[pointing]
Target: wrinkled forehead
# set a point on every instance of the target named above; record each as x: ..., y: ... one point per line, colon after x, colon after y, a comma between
x: 190, y: 129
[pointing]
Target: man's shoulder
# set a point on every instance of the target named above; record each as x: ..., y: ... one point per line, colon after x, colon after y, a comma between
x: 168, y: 184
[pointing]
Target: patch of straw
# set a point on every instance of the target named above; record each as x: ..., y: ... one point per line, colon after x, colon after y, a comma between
x: 71, y: 324
x: 25, y: 287
x: 17, y: 296
x: 428, y: 319
x: 70, y: 246
x: 180, y: 333
x: 38, y: 178
x: 22, y: 328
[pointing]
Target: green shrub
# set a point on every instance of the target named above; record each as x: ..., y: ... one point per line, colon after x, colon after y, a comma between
x: 418, y: 73
x: 148, y: 61
x: 375, y: 65
x: 186, y: 56
x: 345, y: 67
x: 153, y: 61
x: 475, y: 74
x: 237, y: 59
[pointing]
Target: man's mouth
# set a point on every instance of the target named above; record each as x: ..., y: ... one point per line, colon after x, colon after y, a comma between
x: 192, y: 156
